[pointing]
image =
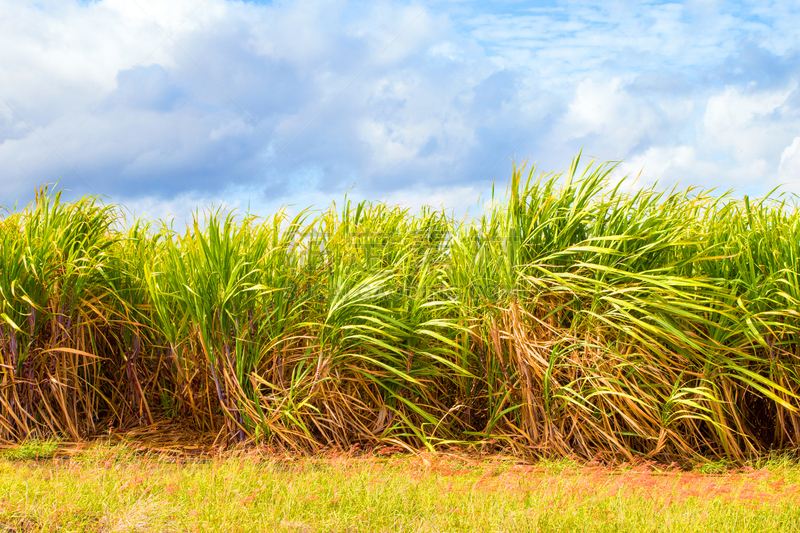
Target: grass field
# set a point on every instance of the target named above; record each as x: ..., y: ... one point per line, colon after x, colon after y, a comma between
x: 113, y: 488
x: 570, y: 318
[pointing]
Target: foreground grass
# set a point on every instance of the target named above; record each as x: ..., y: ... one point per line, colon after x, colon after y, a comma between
x: 109, y: 488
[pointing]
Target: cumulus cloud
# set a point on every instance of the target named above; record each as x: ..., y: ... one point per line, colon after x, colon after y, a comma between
x: 165, y: 105
x: 610, y: 116
x: 789, y: 168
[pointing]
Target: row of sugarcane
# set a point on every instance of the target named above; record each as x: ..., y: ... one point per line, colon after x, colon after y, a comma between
x: 572, y: 318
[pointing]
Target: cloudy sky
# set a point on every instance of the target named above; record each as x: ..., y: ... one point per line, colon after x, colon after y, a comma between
x: 166, y: 106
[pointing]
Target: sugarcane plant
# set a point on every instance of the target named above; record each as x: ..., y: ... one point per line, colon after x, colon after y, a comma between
x: 576, y: 315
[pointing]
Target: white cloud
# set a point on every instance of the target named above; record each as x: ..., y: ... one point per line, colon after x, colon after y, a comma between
x: 789, y: 168
x: 402, y: 99
x: 606, y: 110
x: 663, y: 164
x: 179, y: 210
x: 744, y: 129
x: 742, y: 120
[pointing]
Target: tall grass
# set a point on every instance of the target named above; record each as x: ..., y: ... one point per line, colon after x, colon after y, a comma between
x: 570, y: 318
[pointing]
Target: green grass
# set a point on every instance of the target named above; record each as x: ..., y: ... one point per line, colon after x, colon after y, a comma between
x: 32, y: 449
x: 109, y: 488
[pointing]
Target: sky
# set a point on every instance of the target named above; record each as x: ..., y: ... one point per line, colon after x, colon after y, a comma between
x: 167, y: 107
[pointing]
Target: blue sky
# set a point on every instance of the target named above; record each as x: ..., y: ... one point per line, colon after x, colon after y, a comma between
x: 167, y: 106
